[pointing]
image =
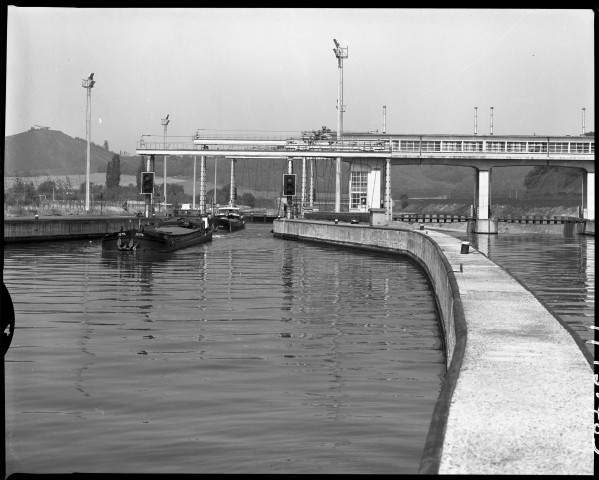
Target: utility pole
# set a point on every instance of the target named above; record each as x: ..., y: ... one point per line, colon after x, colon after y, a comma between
x: 340, y: 53
x: 88, y: 83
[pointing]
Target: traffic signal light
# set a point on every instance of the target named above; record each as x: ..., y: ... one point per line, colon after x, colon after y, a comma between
x: 289, y: 184
x: 147, y: 182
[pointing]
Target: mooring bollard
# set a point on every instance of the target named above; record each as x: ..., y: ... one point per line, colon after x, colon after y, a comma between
x: 336, y: 221
x: 465, y: 247
x: 421, y: 227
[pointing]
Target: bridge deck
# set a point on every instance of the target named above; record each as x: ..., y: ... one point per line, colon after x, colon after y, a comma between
x: 467, y: 150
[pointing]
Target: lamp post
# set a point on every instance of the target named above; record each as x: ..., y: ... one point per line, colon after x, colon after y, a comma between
x: 165, y: 122
x: 384, y: 119
x: 88, y: 83
x: 340, y: 53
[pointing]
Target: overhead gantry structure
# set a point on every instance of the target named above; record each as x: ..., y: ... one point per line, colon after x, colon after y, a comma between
x: 367, y: 154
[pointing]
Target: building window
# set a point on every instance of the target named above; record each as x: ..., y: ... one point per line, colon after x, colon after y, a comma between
x: 410, y: 145
x: 452, y: 146
x: 495, y: 146
x: 359, y: 188
x: 516, y: 147
x: 355, y: 199
x: 473, y: 146
x: 537, y: 147
x: 576, y: 147
x: 431, y: 146
x: 558, y: 147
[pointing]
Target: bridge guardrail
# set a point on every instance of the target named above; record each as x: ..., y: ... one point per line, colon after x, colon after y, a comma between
x: 450, y: 218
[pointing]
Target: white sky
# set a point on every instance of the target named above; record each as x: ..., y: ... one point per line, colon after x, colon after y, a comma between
x: 275, y: 70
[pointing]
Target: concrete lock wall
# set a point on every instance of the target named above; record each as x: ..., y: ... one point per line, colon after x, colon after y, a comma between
x: 27, y: 230
x: 416, y: 245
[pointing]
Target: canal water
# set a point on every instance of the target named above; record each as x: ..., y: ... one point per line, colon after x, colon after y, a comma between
x: 558, y: 269
x: 248, y: 354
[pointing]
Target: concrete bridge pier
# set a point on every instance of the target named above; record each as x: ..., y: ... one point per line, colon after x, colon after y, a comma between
x: 388, y: 204
x: 303, y: 201
x: 483, y: 223
x: 202, y: 184
x: 589, y: 197
x: 289, y: 213
x: 232, y: 190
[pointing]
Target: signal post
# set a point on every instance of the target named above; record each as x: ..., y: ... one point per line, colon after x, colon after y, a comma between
x: 289, y: 187
x: 147, y: 186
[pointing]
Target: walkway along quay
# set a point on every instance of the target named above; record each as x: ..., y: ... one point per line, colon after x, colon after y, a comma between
x: 28, y: 229
x: 517, y: 397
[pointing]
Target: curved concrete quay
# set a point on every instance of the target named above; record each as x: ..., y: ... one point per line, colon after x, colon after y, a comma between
x: 518, y: 394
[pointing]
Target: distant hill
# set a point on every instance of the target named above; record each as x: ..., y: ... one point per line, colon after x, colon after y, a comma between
x: 50, y: 152
x: 42, y: 151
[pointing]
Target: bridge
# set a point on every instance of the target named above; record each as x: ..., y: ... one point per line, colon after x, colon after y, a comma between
x: 372, y: 155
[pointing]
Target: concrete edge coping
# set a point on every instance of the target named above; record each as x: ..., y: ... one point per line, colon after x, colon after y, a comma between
x: 433, y: 445
x: 579, y: 342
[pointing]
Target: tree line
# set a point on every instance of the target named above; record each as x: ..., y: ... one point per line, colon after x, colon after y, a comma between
x: 23, y: 192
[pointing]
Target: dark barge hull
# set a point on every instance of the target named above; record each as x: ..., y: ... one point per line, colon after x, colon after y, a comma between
x: 228, y: 224
x: 160, y: 240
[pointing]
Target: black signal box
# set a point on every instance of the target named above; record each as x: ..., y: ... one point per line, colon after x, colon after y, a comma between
x: 289, y: 185
x: 147, y: 182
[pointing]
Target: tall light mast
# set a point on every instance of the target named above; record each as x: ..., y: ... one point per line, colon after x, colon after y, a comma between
x: 340, y: 53
x: 88, y: 83
x: 165, y: 122
x: 384, y: 119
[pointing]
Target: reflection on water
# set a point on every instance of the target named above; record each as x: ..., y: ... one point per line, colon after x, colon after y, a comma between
x: 247, y: 354
x: 560, y: 270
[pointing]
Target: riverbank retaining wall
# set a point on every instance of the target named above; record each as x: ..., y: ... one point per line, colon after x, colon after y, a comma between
x: 19, y: 230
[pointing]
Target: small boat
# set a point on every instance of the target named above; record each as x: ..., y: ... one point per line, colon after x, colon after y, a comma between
x: 229, y: 218
x: 169, y: 235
